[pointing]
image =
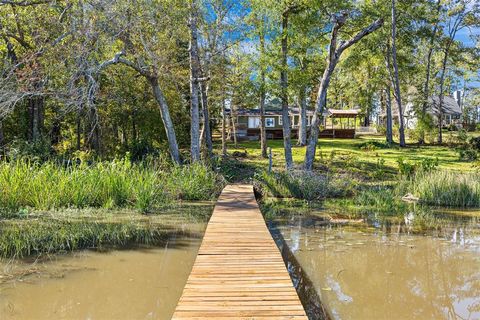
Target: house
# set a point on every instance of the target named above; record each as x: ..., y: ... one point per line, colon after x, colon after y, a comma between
x: 336, y: 123
x: 452, y: 113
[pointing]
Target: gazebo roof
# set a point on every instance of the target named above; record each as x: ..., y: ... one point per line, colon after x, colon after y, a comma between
x: 337, y: 113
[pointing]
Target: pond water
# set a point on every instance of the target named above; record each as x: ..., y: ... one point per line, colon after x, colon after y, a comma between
x: 417, y: 267
x: 141, y: 282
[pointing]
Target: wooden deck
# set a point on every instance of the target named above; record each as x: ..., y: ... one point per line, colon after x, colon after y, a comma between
x: 239, y: 272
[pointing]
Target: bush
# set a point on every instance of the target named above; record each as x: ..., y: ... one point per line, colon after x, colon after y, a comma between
x: 407, y: 169
x: 475, y: 143
x: 373, y: 145
x: 468, y: 150
x: 40, y: 150
x: 467, y: 154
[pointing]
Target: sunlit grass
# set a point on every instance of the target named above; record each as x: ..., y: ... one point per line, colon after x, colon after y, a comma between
x: 447, y: 156
x: 113, y: 184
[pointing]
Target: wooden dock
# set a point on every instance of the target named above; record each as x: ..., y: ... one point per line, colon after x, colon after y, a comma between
x: 239, y: 272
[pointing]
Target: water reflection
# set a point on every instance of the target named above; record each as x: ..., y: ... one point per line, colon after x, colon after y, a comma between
x: 421, y: 266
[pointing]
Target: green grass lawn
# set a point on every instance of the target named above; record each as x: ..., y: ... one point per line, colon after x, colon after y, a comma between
x: 341, y: 151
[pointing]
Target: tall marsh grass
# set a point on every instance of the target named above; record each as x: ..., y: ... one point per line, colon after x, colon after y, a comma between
x: 304, y: 185
x: 444, y: 188
x: 117, y: 183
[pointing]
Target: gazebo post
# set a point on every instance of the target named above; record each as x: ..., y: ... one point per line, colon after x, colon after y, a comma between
x: 333, y: 128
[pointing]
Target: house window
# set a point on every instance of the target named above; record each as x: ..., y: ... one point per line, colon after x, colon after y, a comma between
x: 280, y: 121
x: 254, y: 122
x: 269, y: 122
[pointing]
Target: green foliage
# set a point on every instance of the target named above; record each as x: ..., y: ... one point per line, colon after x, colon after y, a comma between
x: 194, y: 182
x: 407, y: 169
x: 40, y: 150
x: 469, y: 149
x: 445, y: 188
x: 467, y: 154
x: 373, y: 145
x: 301, y: 185
x: 42, y: 236
x: 380, y: 199
x: 118, y: 183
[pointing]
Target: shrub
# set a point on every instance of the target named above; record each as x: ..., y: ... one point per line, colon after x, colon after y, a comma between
x: 407, y: 169
x: 467, y: 154
x: 475, y: 143
x: 373, y: 145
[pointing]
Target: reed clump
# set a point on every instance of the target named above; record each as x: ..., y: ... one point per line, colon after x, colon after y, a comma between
x: 299, y: 184
x: 112, y: 184
x: 444, y: 188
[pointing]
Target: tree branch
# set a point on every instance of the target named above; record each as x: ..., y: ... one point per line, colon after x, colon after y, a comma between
x: 365, y: 32
x: 24, y: 3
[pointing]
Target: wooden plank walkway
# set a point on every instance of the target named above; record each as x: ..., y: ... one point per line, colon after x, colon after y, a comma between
x: 239, y: 272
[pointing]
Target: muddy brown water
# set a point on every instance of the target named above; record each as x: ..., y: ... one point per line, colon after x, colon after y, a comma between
x: 385, y: 270
x: 136, y: 283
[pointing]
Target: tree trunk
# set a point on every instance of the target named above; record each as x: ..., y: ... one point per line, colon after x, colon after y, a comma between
x: 234, y: 127
x: 263, y: 131
x: 224, y: 126
x: 93, y: 140
x: 79, y: 129
x: 302, y: 129
x: 441, y: 97
x: 134, y: 126
x: 426, y: 86
x: 167, y: 121
x: 56, y: 130
x: 396, y: 80
x: 287, y: 143
x: 36, y: 115
x: 388, y: 111
x: 2, y: 137
x: 316, y: 120
x: 207, y: 133
x: 194, y: 77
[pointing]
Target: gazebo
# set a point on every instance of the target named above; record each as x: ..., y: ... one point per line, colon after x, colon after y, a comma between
x: 345, y: 128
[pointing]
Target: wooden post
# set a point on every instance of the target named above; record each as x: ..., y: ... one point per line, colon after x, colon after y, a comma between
x: 333, y: 126
x: 270, y: 160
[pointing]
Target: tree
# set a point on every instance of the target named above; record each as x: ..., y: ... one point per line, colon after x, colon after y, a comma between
x: 426, y: 87
x: 334, y: 53
x: 460, y: 14
x: 194, y: 83
x: 396, y: 79
x: 287, y: 143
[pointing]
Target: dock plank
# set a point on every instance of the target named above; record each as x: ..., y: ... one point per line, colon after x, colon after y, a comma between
x: 239, y: 272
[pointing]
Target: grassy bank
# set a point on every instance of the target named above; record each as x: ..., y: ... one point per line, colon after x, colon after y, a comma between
x: 114, y: 184
x: 367, y: 157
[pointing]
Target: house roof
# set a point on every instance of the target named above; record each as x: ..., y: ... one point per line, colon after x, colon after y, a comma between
x: 270, y: 111
x: 450, y: 105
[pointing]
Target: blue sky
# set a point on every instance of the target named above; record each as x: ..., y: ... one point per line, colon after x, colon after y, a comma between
x: 465, y: 36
